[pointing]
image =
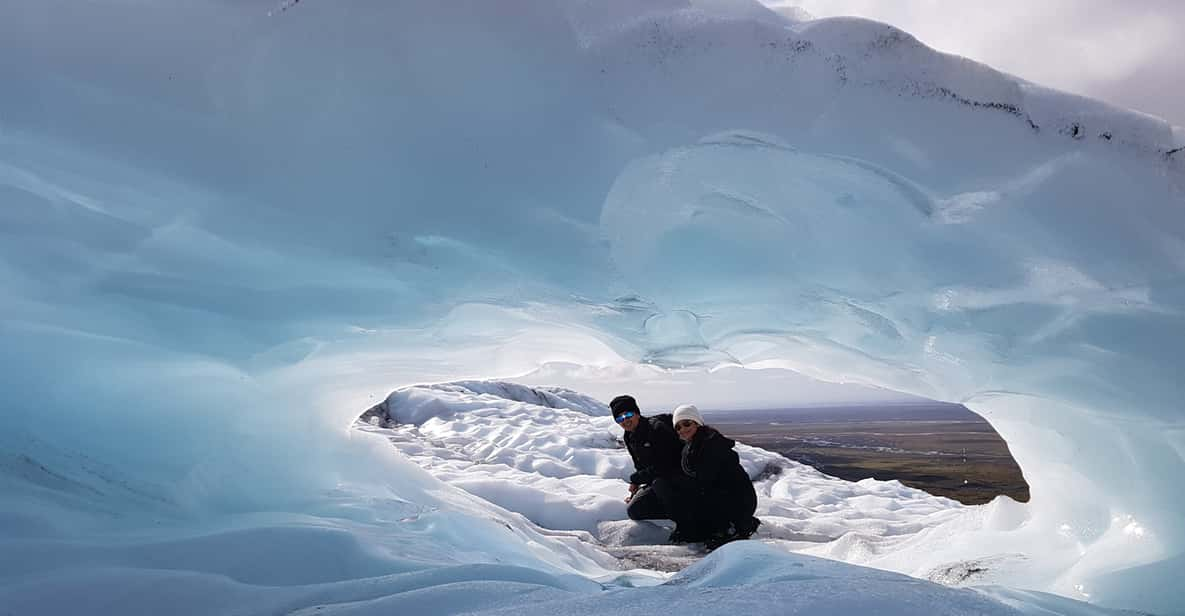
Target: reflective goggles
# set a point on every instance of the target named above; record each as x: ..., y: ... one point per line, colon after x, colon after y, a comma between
x: 624, y: 416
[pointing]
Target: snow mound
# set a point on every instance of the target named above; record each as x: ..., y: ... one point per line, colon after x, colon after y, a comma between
x: 418, y: 404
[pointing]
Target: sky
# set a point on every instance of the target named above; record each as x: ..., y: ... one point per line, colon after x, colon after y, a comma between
x: 1128, y: 53
x: 729, y: 388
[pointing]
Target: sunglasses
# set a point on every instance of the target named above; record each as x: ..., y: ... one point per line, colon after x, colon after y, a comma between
x: 685, y: 423
x: 624, y: 416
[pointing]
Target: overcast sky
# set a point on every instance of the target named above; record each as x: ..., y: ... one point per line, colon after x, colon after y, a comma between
x: 725, y: 389
x: 1129, y: 53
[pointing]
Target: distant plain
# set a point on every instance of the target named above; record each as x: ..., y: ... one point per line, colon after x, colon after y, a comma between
x: 944, y: 449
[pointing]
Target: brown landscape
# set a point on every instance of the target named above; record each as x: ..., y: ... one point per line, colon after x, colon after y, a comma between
x: 943, y: 449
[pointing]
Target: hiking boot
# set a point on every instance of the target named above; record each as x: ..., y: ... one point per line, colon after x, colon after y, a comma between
x: 734, y: 533
x: 718, y: 539
x: 746, y: 529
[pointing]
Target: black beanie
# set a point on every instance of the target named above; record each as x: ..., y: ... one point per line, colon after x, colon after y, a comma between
x: 624, y: 404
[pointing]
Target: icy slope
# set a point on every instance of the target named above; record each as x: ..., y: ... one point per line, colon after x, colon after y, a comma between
x: 225, y: 228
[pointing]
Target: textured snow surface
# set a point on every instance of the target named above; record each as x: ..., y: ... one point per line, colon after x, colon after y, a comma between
x: 563, y: 465
x: 228, y: 227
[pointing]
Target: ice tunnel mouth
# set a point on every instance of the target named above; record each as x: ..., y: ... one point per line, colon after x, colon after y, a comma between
x: 1013, y: 532
x: 845, y: 431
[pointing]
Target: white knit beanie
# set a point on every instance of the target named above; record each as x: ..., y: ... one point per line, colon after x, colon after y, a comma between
x: 687, y: 411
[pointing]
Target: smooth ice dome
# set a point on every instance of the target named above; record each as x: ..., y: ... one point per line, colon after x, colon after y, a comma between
x: 226, y: 229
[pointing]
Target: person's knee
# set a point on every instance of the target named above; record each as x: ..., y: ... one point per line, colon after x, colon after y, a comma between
x: 671, y: 493
x: 662, y: 488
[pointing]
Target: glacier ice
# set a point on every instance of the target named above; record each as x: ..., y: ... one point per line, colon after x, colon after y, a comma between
x: 225, y: 229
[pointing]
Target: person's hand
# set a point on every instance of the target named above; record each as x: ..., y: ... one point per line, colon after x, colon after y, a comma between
x: 633, y: 491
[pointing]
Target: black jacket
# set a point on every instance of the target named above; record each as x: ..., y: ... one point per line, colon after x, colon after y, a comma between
x: 710, y: 460
x: 655, y: 448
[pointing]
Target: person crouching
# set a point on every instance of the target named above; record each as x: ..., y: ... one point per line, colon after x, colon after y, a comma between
x: 727, y: 499
x: 658, y: 489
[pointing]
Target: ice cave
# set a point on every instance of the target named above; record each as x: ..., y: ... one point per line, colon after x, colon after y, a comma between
x: 228, y: 228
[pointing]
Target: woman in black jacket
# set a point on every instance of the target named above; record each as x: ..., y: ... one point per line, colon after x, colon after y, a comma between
x: 727, y: 499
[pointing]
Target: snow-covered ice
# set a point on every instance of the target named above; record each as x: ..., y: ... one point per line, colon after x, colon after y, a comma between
x: 226, y: 228
x: 560, y: 462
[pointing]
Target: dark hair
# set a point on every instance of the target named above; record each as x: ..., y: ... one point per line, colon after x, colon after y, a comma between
x: 624, y: 404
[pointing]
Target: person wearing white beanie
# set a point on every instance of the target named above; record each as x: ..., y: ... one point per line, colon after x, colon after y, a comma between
x: 727, y: 499
x: 690, y: 413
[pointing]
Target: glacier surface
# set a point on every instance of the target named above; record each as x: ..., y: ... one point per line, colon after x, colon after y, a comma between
x: 228, y: 227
